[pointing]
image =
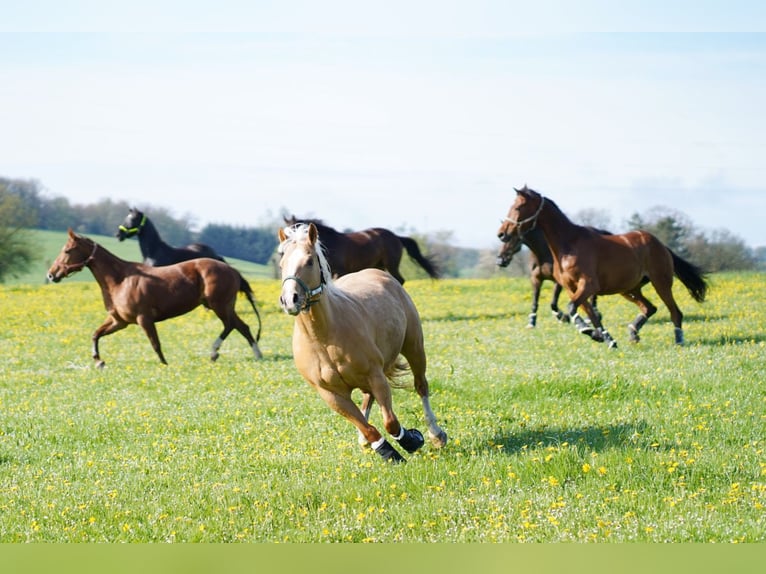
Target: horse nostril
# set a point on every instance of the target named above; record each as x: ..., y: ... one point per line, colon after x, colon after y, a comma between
x: 295, y: 298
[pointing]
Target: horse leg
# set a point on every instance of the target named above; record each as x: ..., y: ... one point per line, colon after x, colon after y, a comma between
x: 646, y: 310
x: 600, y: 333
x: 150, y: 328
x: 109, y: 326
x: 366, y: 408
x: 344, y: 406
x: 558, y: 313
x: 665, y: 291
x: 536, y: 284
x: 244, y: 330
x: 416, y: 358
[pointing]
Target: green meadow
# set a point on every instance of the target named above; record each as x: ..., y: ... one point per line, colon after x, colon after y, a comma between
x: 552, y: 437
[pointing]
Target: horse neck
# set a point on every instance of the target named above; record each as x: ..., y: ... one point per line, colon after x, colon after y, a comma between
x: 149, y: 240
x: 107, y: 268
x: 535, y: 241
x: 558, y: 229
x: 320, y: 320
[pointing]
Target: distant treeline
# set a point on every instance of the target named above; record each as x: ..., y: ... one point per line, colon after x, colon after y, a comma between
x: 254, y: 244
x: 23, y: 204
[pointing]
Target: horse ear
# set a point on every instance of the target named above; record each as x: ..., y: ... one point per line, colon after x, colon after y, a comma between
x: 313, y: 233
x: 71, y: 233
x: 282, y: 235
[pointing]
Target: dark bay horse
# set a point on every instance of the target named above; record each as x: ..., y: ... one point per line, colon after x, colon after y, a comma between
x: 153, y: 249
x: 349, y: 334
x: 134, y: 293
x: 371, y: 248
x: 588, y: 263
x: 540, y: 270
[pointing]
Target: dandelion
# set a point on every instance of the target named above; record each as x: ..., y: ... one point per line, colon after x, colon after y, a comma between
x: 586, y: 468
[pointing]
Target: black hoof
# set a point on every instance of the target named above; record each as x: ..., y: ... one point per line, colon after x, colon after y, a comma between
x: 412, y: 440
x: 389, y: 453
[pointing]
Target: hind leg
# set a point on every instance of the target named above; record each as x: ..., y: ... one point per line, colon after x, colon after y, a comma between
x: 665, y: 291
x: 536, y: 284
x: 244, y: 330
x: 366, y: 408
x: 415, y: 355
x: 646, y: 310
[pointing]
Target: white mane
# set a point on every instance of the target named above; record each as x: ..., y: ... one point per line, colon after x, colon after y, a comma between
x: 300, y: 232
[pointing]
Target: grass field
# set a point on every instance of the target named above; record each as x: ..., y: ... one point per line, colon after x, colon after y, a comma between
x: 552, y: 437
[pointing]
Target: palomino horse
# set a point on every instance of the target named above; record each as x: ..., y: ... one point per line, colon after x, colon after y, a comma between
x: 588, y: 263
x: 372, y: 248
x: 153, y: 249
x: 138, y: 294
x: 540, y: 270
x: 348, y: 334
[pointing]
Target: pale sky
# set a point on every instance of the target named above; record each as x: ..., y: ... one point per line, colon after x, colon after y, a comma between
x: 395, y: 114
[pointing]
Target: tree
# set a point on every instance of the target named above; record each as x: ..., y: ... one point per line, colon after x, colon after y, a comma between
x: 16, y: 249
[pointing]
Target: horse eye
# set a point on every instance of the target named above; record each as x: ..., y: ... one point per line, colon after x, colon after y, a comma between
x: 311, y: 262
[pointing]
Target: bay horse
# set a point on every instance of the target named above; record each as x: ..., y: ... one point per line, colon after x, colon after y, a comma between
x: 153, y: 249
x: 540, y: 270
x: 134, y: 293
x: 376, y: 247
x: 588, y: 263
x: 349, y: 334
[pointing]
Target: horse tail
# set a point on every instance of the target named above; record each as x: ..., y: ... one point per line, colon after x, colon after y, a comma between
x: 426, y: 263
x: 245, y: 288
x: 691, y: 276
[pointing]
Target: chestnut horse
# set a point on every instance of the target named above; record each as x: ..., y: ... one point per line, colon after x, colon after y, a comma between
x: 588, y: 263
x: 153, y: 249
x: 134, y: 293
x: 349, y: 334
x: 372, y: 248
x: 540, y: 270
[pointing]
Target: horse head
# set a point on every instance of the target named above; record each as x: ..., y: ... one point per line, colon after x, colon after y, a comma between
x: 75, y: 255
x: 303, y: 267
x: 132, y: 225
x: 522, y: 216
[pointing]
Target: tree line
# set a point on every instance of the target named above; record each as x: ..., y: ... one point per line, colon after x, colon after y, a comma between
x: 24, y: 205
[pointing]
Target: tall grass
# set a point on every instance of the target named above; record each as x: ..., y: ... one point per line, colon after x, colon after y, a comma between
x: 552, y: 437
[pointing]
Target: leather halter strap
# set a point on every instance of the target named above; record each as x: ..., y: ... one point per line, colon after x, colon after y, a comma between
x: 308, y: 291
x: 532, y: 218
x: 75, y: 267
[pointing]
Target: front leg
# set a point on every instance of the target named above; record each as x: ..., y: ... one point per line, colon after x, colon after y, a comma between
x: 111, y: 325
x: 366, y: 408
x: 149, y: 327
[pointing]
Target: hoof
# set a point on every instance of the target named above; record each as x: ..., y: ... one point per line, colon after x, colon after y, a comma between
x: 100, y: 364
x: 389, y: 453
x: 438, y: 440
x: 412, y: 440
x: 634, y: 338
x: 530, y: 325
x: 214, y: 357
x: 612, y: 344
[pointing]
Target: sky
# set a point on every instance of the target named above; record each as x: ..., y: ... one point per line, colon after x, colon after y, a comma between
x: 409, y: 115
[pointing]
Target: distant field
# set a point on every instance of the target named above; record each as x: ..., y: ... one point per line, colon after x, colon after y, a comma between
x: 553, y: 437
x: 49, y: 243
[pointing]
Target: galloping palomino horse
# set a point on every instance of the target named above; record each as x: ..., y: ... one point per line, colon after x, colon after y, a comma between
x: 587, y: 263
x: 371, y: 248
x: 153, y: 249
x: 134, y: 293
x: 348, y: 334
x: 540, y: 269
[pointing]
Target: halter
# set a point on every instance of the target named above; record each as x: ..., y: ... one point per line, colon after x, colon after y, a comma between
x: 533, y: 218
x: 134, y: 230
x: 309, y: 292
x: 76, y: 267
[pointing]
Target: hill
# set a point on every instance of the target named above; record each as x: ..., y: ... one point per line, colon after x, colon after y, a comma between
x: 49, y: 243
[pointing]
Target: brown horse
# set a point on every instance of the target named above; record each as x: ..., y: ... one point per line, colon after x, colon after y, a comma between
x: 134, y: 293
x: 588, y: 263
x: 540, y: 270
x: 349, y: 334
x: 376, y: 248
